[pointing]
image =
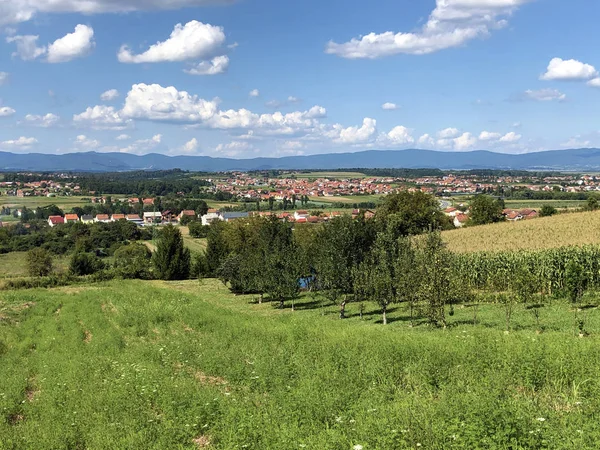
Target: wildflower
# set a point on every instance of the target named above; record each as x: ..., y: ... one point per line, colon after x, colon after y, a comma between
x: 338, y: 419
x: 357, y: 447
x: 541, y: 419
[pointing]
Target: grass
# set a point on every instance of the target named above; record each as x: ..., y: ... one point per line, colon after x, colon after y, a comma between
x: 15, y: 264
x: 184, y: 365
x: 348, y: 199
x: 195, y: 245
x: 64, y: 203
x: 537, y: 204
x: 542, y: 233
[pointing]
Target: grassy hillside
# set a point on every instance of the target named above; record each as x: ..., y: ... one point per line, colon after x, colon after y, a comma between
x: 15, y: 264
x: 185, y: 365
x: 548, y: 232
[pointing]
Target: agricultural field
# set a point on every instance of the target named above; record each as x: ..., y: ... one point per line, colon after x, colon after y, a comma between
x: 537, y: 204
x: 194, y: 245
x: 154, y: 365
x: 64, y: 203
x: 347, y: 199
x: 15, y: 264
x: 542, y: 233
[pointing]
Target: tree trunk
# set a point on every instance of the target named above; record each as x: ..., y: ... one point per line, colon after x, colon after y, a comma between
x: 293, y: 308
x: 260, y: 298
x: 385, y: 314
x: 343, y: 308
x: 281, y: 303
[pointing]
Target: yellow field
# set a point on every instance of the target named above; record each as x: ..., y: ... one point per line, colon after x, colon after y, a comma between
x: 548, y: 232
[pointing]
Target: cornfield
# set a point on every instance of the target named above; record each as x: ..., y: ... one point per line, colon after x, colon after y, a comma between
x: 563, y: 230
x: 546, y: 270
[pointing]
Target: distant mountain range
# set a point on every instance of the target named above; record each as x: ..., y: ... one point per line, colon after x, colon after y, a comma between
x: 566, y: 160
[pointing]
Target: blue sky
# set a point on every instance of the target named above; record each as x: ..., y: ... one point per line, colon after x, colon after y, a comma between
x: 251, y: 78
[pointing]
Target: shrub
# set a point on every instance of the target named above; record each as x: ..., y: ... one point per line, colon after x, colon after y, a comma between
x: 133, y: 261
x: 85, y: 264
x: 39, y: 262
x: 197, y: 230
x: 171, y: 259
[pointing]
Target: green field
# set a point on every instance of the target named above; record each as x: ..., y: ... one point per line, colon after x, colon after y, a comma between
x: 65, y: 203
x: 537, y: 204
x: 155, y: 365
x: 15, y: 265
x: 347, y: 199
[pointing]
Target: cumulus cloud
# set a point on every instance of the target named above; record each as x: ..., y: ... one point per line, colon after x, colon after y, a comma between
x: 448, y: 133
x: 235, y: 148
x: 102, y: 117
x: 123, y: 137
x: 465, y: 141
x: 399, y: 136
x: 489, y: 136
x: 45, y: 121
x: 426, y: 141
x: 451, y: 24
x: 23, y: 143
x: 15, y: 11
x: 217, y: 65
x: 143, y: 145
x: 594, y: 82
x: 254, y: 93
x: 71, y: 46
x: 569, y: 70
x: 545, y: 95
x: 194, y: 40
x: 389, y: 106
x: 511, y: 137
x: 6, y: 111
x: 84, y: 142
x: 191, y: 146
x: 110, y: 95
x: 356, y: 135
x: 27, y: 48
x: 74, y: 45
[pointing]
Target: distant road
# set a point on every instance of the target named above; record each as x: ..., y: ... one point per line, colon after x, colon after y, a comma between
x: 445, y: 204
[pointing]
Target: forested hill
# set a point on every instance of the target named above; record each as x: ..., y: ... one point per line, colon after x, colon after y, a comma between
x: 580, y: 160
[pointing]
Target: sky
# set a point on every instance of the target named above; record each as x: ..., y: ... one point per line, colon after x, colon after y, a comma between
x: 250, y: 78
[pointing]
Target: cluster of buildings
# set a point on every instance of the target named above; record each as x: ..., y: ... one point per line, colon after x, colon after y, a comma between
x: 300, y: 216
x: 148, y: 218
x: 460, y: 218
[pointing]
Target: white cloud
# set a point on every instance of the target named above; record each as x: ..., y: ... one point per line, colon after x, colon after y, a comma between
x: 292, y: 99
x: 465, y: 141
x: 511, y: 137
x: 143, y: 146
x: 3, y: 78
x: 194, y: 40
x: 84, y: 142
x: 27, y: 48
x: 489, y: 136
x: 123, y: 137
x: 254, y: 93
x: 595, y: 82
x: 22, y: 143
x: 356, y: 135
x: 389, y: 106
x: 102, y: 117
x: 6, y: 111
x: 577, y: 142
x: 545, y: 95
x: 15, y: 11
x: 217, y: 65
x: 45, y: 121
x: 399, y: 136
x: 110, y: 95
x: 448, y: 133
x: 235, y: 149
x: 451, y: 24
x: 73, y: 45
x: 190, y: 147
x: 426, y: 141
x: 568, y: 70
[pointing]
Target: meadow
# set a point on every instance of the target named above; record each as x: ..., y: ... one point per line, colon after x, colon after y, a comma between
x: 188, y: 365
x: 15, y: 264
x: 537, y: 204
x: 548, y: 232
x: 64, y: 203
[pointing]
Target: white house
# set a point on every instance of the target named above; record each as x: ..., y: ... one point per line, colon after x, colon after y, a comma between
x: 152, y: 217
x: 211, y: 216
x: 301, y: 215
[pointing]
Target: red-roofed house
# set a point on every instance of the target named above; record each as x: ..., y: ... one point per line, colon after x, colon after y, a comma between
x: 71, y: 218
x: 104, y: 218
x: 116, y: 217
x: 55, y: 220
x: 460, y: 220
x: 186, y: 213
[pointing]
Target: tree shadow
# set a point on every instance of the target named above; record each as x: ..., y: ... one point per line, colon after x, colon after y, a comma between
x: 313, y: 304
